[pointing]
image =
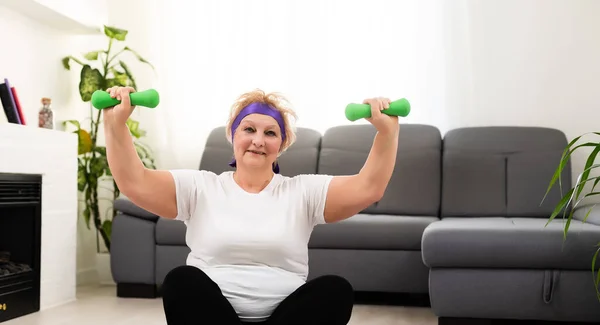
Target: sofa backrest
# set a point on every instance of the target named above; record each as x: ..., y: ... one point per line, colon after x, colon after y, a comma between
x: 501, y: 171
x: 303, y: 156
x: 300, y: 158
x: 217, y: 153
x: 414, y: 188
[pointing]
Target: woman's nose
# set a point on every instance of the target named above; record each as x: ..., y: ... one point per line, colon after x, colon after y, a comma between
x: 258, y: 140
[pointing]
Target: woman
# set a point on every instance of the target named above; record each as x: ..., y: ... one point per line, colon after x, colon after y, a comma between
x: 248, y: 230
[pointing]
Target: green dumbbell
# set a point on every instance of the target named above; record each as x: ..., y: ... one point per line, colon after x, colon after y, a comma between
x: 400, y: 107
x: 148, y: 98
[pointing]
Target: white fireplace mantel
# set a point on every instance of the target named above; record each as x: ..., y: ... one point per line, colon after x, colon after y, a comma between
x: 53, y: 154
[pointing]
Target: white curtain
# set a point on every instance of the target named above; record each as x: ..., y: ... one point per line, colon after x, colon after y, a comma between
x: 321, y: 54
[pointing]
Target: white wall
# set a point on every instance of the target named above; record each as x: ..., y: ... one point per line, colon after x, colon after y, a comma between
x: 534, y: 62
x: 530, y: 63
x: 31, y: 59
x: 321, y: 55
x: 460, y: 63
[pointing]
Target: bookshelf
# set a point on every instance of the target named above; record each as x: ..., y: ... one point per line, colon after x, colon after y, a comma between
x: 71, y: 16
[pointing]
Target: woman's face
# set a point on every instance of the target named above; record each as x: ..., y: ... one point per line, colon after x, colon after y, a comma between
x: 257, y: 141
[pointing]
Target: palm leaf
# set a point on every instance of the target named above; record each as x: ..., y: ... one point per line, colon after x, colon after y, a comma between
x: 587, y: 214
x: 589, y: 166
x: 596, y: 274
x: 564, y: 159
x: 561, y: 205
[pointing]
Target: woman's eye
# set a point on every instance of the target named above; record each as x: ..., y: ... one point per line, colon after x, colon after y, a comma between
x: 271, y: 133
x: 249, y: 129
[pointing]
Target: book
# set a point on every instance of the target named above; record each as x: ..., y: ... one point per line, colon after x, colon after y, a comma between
x: 18, y: 105
x: 8, y: 102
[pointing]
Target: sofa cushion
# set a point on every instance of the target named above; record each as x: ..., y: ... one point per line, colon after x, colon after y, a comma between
x: 501, y: 171
x: 170, y: 232
x: 375, y: 232
x: 498, y: 242
x: 300, y: 158
x: 414, y: 188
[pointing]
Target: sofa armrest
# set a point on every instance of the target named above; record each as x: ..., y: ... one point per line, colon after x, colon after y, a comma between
x: 133, y: 250
x: 594, y: 216
x: 125, y: 206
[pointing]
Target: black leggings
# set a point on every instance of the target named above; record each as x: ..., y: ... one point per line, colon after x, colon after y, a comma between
x: 190, y: 297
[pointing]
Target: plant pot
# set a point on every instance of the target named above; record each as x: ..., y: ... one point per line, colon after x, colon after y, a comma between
x: 103, y: 268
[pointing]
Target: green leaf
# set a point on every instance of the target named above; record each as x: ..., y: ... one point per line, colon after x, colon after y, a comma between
x: 588, y: 213
x: 107, y: 228
x: 597, y: 277
x: 145, y: 156
x: 86, y: 216
x: 98, y: 166
x: 112, y: 82
x: 85, y: 141
x: 595, y: 182
x: 568, y: 224
x: 66, y: 59
x: 91, y: 80
x: 92, y: 56
x: 128, y: 74
x: 585, y: 196
x: 564, y: 202
x: 133, y: 126
x: 102, y: 152
x: 563, y: 161
x: 116, y: 192
x: 560, y: 206
x: 580, y: 183
x: 115, y: 33
x: 139, y: 57
x: 74, y: 122
x: 121, y: 77
x: 81, y: 179
x: 588, y: 165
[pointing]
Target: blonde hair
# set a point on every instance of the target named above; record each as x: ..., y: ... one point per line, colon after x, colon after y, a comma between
x: 275, y: 100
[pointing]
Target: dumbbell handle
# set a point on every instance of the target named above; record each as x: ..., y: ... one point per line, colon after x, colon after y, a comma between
x: 400, y: 107
x: 148, y: 98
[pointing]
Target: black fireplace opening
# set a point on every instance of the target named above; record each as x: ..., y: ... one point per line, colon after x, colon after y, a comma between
x: 20, y: 244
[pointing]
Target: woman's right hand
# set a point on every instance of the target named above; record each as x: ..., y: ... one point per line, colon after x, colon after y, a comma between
x: 119, y: 114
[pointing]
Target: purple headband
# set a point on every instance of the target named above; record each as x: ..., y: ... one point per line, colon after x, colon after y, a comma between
x: 258, y: 108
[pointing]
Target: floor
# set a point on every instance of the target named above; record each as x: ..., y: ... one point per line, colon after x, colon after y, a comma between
x: 100, y: 306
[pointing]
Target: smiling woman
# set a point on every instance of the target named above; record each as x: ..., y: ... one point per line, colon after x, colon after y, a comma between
x: 260, y: 106
x: 248, y: 229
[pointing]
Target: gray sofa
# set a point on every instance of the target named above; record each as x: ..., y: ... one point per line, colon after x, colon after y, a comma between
x: 461, y: 221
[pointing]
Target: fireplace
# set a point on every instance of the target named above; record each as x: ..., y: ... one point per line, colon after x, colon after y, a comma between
x: 20, y: 244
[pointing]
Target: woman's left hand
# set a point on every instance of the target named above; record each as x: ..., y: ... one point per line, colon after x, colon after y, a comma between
x: 385, y: 124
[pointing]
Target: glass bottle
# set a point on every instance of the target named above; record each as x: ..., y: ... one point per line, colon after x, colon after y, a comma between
x: 46, y: 115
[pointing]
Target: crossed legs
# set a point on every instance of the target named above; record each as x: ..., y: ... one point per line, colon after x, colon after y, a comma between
x: 190, y: 297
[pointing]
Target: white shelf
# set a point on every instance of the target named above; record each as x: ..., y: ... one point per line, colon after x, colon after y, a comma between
x: 72, y: 16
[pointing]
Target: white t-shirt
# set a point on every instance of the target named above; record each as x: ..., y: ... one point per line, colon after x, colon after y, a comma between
x: 253, y: 245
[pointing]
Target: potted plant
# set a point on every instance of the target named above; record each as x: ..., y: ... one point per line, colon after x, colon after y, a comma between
x: 102, y: 69
x: 571, y: 201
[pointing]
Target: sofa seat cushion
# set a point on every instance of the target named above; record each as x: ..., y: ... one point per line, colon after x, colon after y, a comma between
x: 170, y: 232
x: 375, y: 232
x: 498, y: 242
